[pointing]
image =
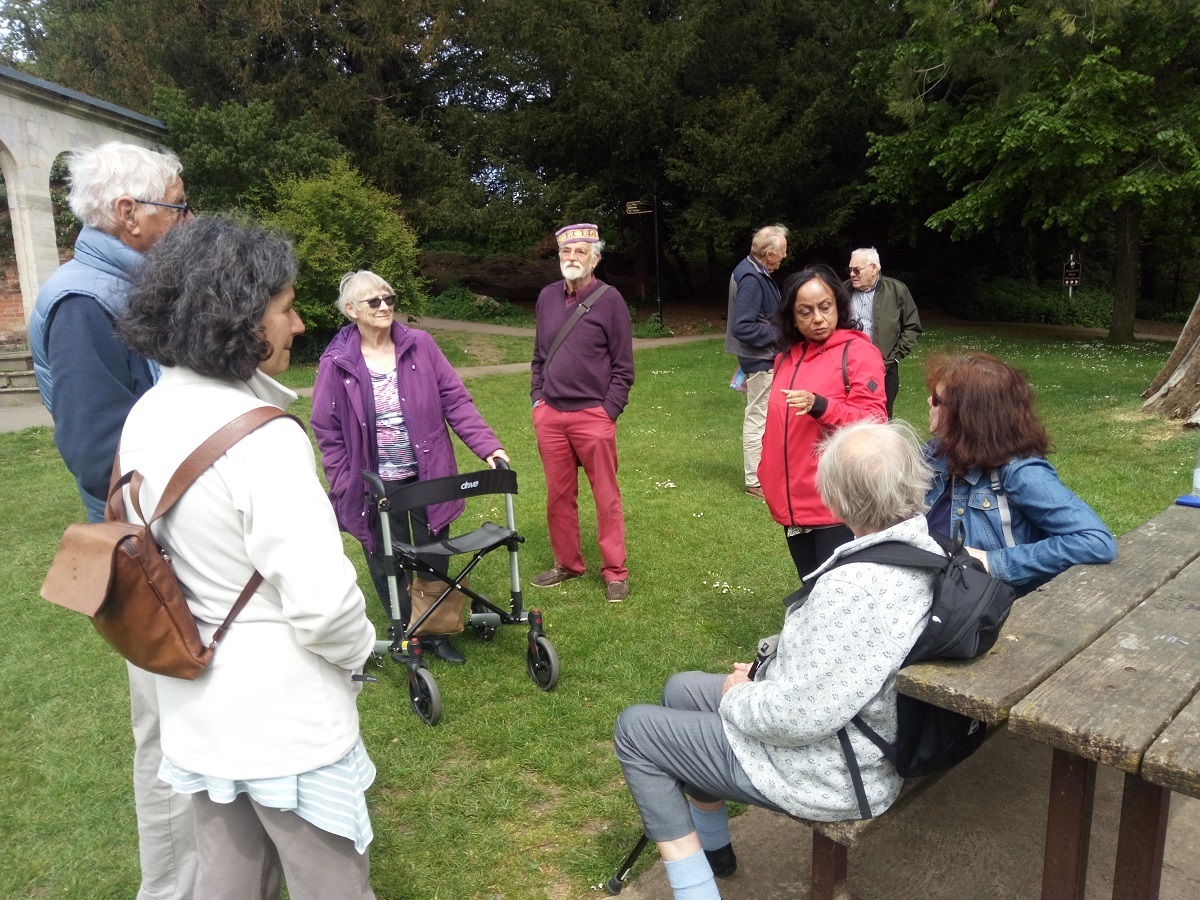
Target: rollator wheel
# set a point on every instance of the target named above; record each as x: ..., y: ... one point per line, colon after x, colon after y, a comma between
x: 425, y: 696
x: 542, y: 663
x: 485, y: 632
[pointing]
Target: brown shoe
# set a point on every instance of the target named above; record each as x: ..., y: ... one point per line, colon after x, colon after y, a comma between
x: 616, y: 591
x: 551, y: 577
x: 755, y: 490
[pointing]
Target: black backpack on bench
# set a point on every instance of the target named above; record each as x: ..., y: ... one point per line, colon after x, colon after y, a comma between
x: 969, y: 609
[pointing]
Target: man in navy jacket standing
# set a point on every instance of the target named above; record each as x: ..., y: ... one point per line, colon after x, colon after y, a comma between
x: 582, y: 372
x: 752, y: 336
x: 127, y: 197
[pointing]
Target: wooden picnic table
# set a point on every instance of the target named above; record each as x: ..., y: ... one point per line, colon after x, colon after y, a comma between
x: 1102, y: 664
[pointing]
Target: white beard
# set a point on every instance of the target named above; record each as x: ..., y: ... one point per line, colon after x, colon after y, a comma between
x: 572, y: 269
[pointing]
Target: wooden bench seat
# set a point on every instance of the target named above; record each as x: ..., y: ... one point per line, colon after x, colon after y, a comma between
x: 831, y: 841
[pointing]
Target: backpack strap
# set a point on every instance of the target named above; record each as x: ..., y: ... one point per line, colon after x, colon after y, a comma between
x: 896, y: 553
x: 211, y: 450
x: 580, y: 310
x: 892, y: 553
x: 886, y: 748
x: 860, y: 793
x: 189, y: 470
x: 1002, y: 503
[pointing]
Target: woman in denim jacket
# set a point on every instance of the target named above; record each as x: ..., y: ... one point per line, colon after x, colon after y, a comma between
x: 991, y: 478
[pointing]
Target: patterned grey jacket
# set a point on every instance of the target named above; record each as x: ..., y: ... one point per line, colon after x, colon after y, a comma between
x: 838, y: 655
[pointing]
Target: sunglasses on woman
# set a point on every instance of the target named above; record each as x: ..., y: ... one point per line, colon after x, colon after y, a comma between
x: 373, y: 302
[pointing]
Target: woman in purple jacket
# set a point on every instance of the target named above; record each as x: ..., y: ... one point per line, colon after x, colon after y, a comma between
x: 384, y: 395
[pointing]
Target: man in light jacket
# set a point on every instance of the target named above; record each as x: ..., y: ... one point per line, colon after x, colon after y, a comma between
x: 886, y: 312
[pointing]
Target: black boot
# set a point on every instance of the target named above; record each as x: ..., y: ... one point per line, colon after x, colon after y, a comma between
x: 722, y: 862
x: 439, y: 645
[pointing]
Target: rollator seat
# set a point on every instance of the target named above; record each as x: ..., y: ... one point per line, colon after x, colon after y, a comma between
x: 486, y: 537
x: 431, y: 562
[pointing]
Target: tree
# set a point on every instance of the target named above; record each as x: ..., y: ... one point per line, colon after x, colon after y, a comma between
x: 234, y: 156
x: 497, y: 121
x: 1175, y: 391
x: 1077, y: 114
x: 339, y: 223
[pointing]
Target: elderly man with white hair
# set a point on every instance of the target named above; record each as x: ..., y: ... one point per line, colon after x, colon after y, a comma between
x: 127, y: 197
x: 773, y: 741
x: 752, y: 335
x: 885, y: 312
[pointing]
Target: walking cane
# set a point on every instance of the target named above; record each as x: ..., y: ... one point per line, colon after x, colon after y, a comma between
x: 613, y: 885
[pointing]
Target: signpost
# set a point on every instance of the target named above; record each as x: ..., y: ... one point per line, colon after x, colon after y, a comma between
x: 1071, y: 275
x: 641, y: 208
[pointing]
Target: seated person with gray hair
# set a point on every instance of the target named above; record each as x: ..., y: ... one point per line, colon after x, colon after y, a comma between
x: 772, y: 741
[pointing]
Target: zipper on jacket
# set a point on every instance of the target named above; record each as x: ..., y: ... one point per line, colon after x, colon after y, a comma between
x: 787, y: 420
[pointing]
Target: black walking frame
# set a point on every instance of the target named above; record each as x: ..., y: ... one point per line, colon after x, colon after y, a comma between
x: 403, y: 645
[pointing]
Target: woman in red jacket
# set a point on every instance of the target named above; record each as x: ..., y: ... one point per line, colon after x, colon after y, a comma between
x: 828, y: 375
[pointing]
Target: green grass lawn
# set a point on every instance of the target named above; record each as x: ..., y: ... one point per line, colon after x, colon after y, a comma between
x: 516, y: 793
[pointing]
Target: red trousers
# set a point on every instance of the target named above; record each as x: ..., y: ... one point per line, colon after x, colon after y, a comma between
x: 566, y: 441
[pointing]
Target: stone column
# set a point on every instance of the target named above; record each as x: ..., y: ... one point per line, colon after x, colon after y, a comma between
x: 27, y: 180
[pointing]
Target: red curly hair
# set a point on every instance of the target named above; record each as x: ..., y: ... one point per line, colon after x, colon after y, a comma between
x: 985, y: 411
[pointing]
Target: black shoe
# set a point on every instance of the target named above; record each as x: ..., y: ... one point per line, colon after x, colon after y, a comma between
x: 723, y: 862
x: 439, y: 645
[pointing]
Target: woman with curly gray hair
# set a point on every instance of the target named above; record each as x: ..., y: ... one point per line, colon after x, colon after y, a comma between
x: 266, y: 739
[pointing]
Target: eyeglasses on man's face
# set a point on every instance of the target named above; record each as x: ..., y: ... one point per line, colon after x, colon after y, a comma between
x: 389, y: 300
x: 181, y: 209
x: 575, y: 252
x: 855, y: 270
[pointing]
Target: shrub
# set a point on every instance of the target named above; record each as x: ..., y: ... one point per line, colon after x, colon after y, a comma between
x: 1014, y: 300
x: 340, y: 223
x: 651, y: 327
x: 457, y: 302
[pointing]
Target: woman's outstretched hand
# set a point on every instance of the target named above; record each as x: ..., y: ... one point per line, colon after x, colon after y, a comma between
x: 800, y: 401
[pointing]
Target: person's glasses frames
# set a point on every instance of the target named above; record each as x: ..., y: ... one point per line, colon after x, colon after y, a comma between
x: 854, y: 270
x: 935, y: 401
x: 181, y: 209
x: 387, y: 299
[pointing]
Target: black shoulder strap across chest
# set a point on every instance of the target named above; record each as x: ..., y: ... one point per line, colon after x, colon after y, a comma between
x: 580, y: 310
x: 845, y: 367
x: 892, y: 553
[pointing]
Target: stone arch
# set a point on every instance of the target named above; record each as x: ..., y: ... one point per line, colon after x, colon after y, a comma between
x: 39, y: 121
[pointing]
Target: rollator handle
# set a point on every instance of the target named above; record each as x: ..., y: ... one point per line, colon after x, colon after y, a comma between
x: 375, y: 483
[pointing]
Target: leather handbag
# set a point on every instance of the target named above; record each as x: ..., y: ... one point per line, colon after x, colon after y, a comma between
x: 448, y: 617
x: 116, y: 573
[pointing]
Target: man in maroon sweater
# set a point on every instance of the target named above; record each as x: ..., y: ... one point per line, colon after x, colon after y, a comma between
x: 582, y: 373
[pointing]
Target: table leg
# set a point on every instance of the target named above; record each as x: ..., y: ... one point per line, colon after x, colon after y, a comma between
x: 829, y: 868
x: 1068, y: 827
x: 1143, y: 833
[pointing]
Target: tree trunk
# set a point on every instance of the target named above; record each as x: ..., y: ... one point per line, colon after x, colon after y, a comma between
x: 1129, y: 218
x: 1175, y: 391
